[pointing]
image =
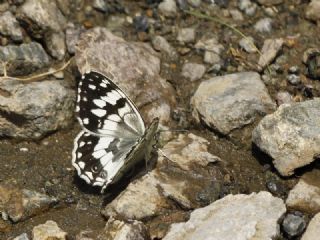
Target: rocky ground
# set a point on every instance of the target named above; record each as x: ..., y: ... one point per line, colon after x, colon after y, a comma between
x: 239, y: 80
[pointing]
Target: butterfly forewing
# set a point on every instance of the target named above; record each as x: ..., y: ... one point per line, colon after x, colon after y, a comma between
x: 104, y: 109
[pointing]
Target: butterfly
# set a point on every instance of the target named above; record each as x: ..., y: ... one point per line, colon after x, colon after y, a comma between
x: 114, y: 137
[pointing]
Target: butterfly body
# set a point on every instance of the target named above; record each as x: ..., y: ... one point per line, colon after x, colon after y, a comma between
x: 114, y: 137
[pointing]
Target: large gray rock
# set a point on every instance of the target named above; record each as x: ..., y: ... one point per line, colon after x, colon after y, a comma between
x: 291, y: 135
x: 10, y: 27
x: 134, y: 66
x: 23, y: 59
x: 32, y: 110
x: 175, y: 182
x: 313, y: 230
x: 241, y: 217
x: 305, y: 196
x: 21, y: 204
x: 231, y: 101
x: 41, y: 16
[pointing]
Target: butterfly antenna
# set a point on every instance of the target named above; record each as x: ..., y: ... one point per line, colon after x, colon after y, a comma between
x: 163, y: 154
x: 173, y: 130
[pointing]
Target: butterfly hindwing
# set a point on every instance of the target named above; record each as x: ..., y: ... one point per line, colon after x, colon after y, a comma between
x: 98, y: 159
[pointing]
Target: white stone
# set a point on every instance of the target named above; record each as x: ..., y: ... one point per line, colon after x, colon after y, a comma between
x: 313, y: 230
x: 48, y: 231
x: 241, y: 217
x: 290, y: 135
x: 269, y: 51
x: 168, y: 8
x: 186, y: 35
x: 305, y: 196
x: 193, y: 71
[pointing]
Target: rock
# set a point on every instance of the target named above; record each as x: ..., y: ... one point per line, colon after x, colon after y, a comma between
x: 5, y: 226
x: 294, y: 79
x: 186, y: 35
x: 32, y: 110
x: 182, y: 4
x: 253, y: 216
x: 212, y: 49
x: 161, y: 44
x: 20, y: 205
x: 311, y: 57
x: 141, y: 23
x: 72, y: 36
x: 10, y: 27
x: 41, y: 16
x: 232, y: 101
x: 294, y: 224
x: 194, y: 3
x: 269, y: 51
x: 134, y: 66
x: 100, y: 5
x: 168, y: 8
x: 23, y: 236
x: 186, y: 144
x: 193, y: 71
x: 305, y: 196
x: 236, y: 15
x: 270, y: 2
x: 294, y: 70
x: 48, y: 231
x: 313, y: 229
x: 43, y: 19
x: 116, y: 229
x: 312, y: 10
x: 173, y: 180
x: 291, y: 135
x: 263, y: 25
x: 129, y: 205
x: 248, y: 7
x: 248, y: 44
x: 56, y: 45
x: 284, y: 98
x: 23, y: 59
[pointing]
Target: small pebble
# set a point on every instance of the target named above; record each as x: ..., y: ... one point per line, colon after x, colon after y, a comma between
x: 294, y: 224
x: 141, y: 23
x: 293, y: 79
x: 186, y: 35
x: 168, y: 8
x: 294, y: 70
x: 24, y: 149
x: 263, y: 25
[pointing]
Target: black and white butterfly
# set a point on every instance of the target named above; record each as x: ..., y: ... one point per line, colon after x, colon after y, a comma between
x: 114, y: 137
